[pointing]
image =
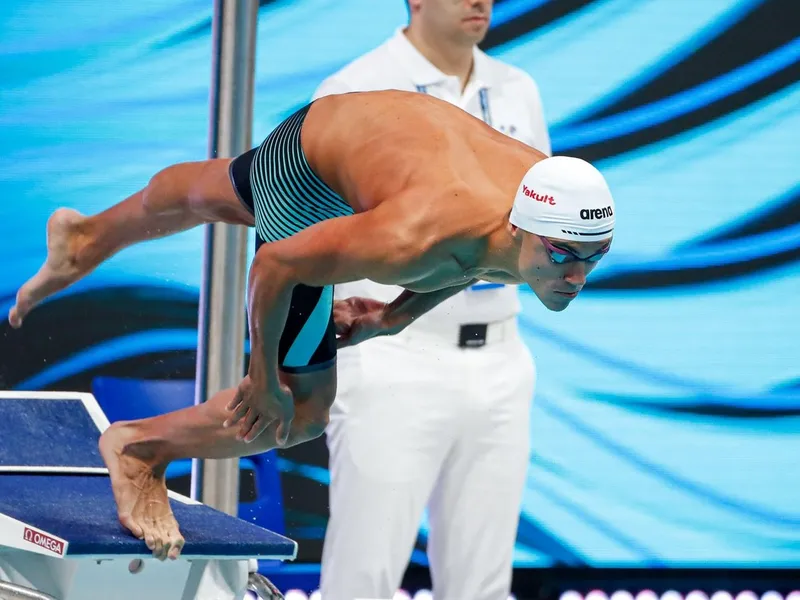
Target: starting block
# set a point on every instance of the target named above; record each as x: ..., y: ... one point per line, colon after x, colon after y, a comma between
x: 59, y: 533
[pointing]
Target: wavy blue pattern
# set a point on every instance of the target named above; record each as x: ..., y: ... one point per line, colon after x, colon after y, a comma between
x: 743, y: 510
x: 593, y: 57
x: 508, y: 10
x: 665, y: 428
x: 733, y: 12
x: 311, y: 472
x: 723, y: 253
x: 111, y: 351
x: 680, y: 104
x: 597, y: 522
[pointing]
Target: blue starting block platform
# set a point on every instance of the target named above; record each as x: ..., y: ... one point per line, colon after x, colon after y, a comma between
x: 59, y: 531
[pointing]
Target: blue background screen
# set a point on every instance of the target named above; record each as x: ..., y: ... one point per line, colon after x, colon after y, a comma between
x: 666, y: 424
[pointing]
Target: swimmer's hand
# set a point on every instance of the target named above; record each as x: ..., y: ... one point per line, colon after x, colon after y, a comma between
x: 257, y: 405
x: 360, y: 319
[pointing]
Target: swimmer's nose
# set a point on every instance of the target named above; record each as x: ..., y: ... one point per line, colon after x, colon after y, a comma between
x: 576, y: 274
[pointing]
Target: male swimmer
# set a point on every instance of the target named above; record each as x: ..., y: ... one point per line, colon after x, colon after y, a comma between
x: 397, y: 187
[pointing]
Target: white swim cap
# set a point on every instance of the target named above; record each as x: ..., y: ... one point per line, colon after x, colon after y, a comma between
x: 565, y: 198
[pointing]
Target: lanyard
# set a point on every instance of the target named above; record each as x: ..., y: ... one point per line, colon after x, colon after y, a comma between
x: 483, y: 96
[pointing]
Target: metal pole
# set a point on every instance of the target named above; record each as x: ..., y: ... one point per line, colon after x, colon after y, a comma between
x: 221, y: 335
x: 10, y: 591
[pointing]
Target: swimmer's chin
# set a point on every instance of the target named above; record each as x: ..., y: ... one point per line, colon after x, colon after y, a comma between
x: 557, y: 307
x: 557, y: 304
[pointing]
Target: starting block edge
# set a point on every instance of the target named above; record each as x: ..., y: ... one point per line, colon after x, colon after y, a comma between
x: 21, y: 536
x: 88, y: 400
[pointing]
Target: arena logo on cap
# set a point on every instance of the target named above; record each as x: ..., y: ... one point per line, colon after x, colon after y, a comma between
x: 589, y: 214
x: 539, y: 197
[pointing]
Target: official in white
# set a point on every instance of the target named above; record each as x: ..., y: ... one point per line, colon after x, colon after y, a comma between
x: 437, y: 416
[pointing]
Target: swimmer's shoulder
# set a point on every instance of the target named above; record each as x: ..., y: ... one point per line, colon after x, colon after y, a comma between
x: 463, y: 211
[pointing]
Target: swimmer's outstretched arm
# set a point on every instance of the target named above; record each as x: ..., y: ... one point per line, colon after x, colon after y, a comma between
x: 409, y: 306
x: 362, y: 246
x: 381, y: 244
x: 360, y: 319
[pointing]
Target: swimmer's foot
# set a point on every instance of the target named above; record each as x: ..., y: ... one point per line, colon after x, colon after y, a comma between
x: 140, y: 491
x: 64, y: 265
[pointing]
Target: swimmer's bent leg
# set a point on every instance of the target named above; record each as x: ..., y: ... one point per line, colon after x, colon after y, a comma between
x: 137, y: 452
x: 175, y: 199
x: 197, y: 431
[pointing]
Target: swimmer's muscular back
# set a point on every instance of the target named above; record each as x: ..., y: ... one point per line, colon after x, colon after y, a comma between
x: 429, y: 185
x: 375, y: 146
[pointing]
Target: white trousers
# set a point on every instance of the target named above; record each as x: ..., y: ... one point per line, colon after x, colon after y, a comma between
x: 420, y: 422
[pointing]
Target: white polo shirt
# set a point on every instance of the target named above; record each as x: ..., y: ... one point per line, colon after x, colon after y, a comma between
x: 502, y: 95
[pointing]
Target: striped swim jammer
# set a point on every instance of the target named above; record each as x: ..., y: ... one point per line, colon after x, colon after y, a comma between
x: 277, y: 185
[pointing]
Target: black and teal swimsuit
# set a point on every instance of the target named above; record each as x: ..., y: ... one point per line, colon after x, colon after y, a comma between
x: 276, y: 183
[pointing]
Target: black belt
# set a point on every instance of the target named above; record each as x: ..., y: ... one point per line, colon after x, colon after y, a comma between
x: 473, y: 335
